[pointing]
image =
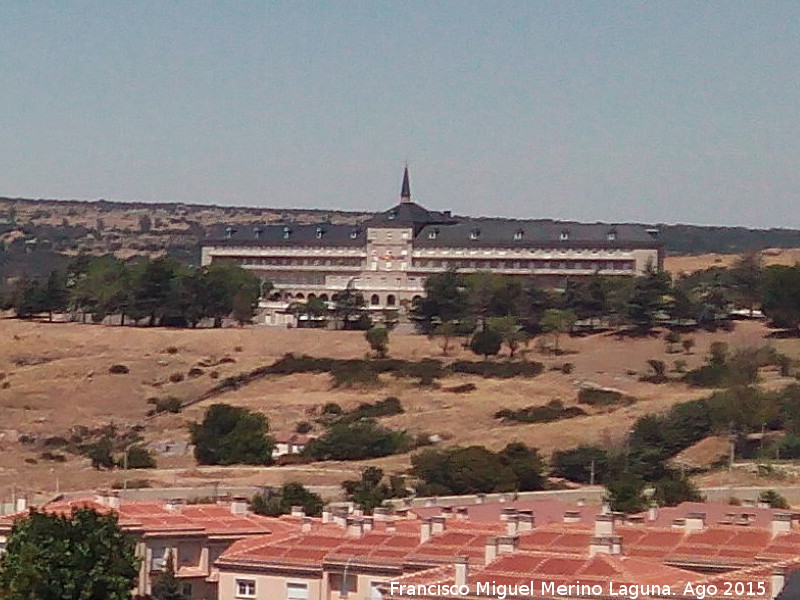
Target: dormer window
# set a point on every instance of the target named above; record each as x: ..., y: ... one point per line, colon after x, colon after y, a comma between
x: 320, y: 233
x: 612, y: 235
x: 354, y: 234
x: 433, y: 234
x: 564, y: 236
x: 287, y: 231
x: 518, y: 234
x: 392, y: 214
x: 257, y: 231
x: 229, y: 231
x: 474, y: 234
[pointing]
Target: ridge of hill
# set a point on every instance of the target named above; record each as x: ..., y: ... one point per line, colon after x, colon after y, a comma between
x: 37, y: 235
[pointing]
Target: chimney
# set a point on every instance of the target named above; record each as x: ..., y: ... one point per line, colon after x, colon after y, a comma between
x: 358, y: 510
x: 762, y: 504
x: 355, y: 527
x: 306, y: 526
x: 605, y: 509
x: 525, y: 521
x: 512, y: 525
x: 326, y: 514
x: 104, y: 497
x: 507, y: 543
x: 480, y: 498
x: 749, y: 502
x: 581, y: 501
x: 447, y: 511
x: 490, y: 550
x: 297, y: 511
x: 505, y: 497
x: 652, y: 512
x: 429, y: 502
x: 439, y: 523
x: 777, y: 580
x: 678, y: 523
x: 239, y: 506
x: 175, y: 504
x: 507, y: 513
x: 572, y: 516
x: 380, y: 513
x: 391, y: 527
x: 781, y: 523
x: 695, y: 521
x: 425, y: 531
x: 462, y: 513
x: 21, y: 504
x: 340, y: 516
x: 606, y: 544
x: 604, y: 525
x: 461, y: 564
x: 636, y: 520
x: 369, y: 523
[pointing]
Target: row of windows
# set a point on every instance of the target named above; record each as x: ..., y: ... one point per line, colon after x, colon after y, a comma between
x: 302, y: 262
x: 246, y: 588
x: 519, y: 234
x: 603, y: 265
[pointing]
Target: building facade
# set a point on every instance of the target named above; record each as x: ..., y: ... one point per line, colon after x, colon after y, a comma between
x: 389, y: 256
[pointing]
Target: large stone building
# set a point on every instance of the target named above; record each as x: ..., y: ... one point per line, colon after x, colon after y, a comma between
x: 389, y: 256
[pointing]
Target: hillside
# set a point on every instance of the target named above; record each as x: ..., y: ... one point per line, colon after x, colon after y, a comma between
x: 56, y: 376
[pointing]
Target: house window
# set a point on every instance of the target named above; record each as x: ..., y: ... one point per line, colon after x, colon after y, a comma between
x: 320, y: 233
x: 296, y: 591
x: 286, y: 233
x: 159, y: 558
x: 518, y: 234
x: 187, y: 590
x: 374, y: 300
x: 374, y: 591
x: 612, y: 235
x: 245, y: 588
x: 353, y: 234
x: 433, y: 234
x: 564, y: 236
x: 257, y: 232
x: 474, y: 234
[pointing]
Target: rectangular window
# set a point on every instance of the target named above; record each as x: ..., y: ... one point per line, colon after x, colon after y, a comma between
x: 296, y: 591
x: 159, y: 558
x: 245, y: 588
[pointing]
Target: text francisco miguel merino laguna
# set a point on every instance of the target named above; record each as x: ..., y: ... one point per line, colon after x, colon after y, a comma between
x: 538, y: 589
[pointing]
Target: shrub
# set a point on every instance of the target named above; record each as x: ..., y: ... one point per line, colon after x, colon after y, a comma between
x: 138, y: 457
x: 486, y: 343
x: 552, y: 411
x: 213, y: 374
x: 118, y: 369
x: 238, y: 349
x: 774, y: 499
x: 132, y: 484
x: 567, y: 368
x: 658, y: 372
x: 195, y: 372
x: 378, y: 339
x: 332, y: 408
x: 464, y: 388
x: 53, y: 456
x: 499, y: 370
x: 382, y: 408
x: 687, y: 344
x: 599, y: 397
x: 176, y: 377
x: 281, y: 502
x: 303, y: 427
x: 579, y: 463
x: 352, y: 374
x: 171, y: 350
x: 357, y: 441
x: 680, y: 366
x: 170, y: 404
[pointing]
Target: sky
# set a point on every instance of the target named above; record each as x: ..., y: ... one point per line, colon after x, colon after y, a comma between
x: 656, y: 112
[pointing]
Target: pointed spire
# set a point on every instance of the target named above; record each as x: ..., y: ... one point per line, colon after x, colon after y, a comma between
x: 405, y: 192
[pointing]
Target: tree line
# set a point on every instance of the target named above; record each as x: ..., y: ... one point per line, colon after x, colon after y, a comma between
x: 160, y: 291
x: 509, y: 310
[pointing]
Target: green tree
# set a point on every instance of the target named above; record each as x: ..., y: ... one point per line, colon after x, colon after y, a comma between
x: 232, y: 435
x: 368, y: 490
x: 557, y: 322
x: 578, y: 464
x: 648, y: 299
x: 463, y: 471
x: 445, y: 332
x: 102, y: 287
x: 445, y: 300
x: 378, y: 339
x: 281, y: 502
x: 349, y: 308
x: 55, y: 296
x: 243, y: 307
x: 510, y: 332
x: 672, y: 338
x: 626, y: 493
x: 747, y: 276
x: 26, y: 297
x: 84, y: 556
x: 166, y: 585
x: 526, y: 464
x: 774, y: 499
x: 357, y: 441
x: 781, y: 301
x: 486, y: 343
x: 674, y: 489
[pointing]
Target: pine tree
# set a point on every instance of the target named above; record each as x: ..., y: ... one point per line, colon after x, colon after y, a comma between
x: 165, y: 585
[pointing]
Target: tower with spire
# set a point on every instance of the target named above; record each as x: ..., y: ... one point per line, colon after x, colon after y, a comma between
x: 405, y: 190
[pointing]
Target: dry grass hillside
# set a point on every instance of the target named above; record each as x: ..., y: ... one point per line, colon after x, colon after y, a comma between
x: 689, y: 263
x: 56, y: 376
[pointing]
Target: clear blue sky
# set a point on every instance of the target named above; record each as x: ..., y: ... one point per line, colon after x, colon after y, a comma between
x: 616, y: 111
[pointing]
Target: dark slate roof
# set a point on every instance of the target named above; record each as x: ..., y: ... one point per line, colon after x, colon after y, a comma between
x: 324, y: 234
x: 518, y: 233
x: 409, y: 214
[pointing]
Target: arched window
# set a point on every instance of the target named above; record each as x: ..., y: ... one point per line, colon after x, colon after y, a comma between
x: 416, y: 299
x: 300, y: 296
x: 374, y: 300
x: 323, y: 297
x: 391, y: 300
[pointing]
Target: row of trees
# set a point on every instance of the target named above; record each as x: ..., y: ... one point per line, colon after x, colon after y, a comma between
x: 457, y: 303
x: 160, y: 291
